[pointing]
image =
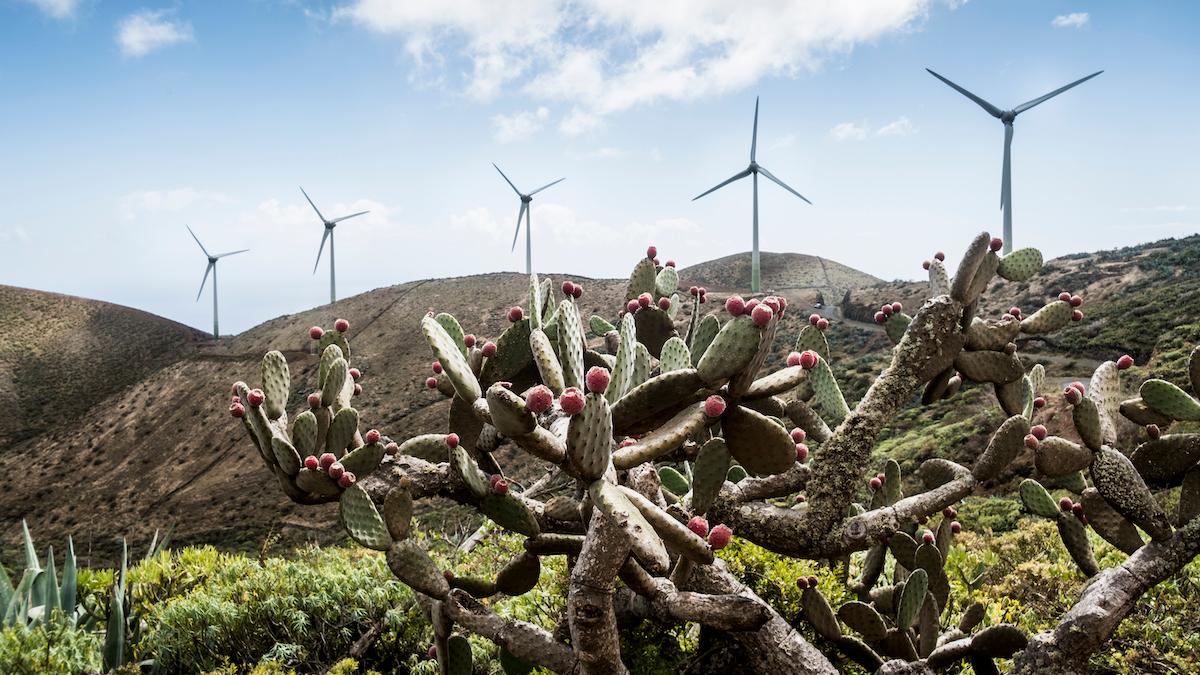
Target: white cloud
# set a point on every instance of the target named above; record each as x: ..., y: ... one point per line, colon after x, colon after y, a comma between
x: 900, y: 127
x: 519, y: 126
x: 848, y: 131
x: 562, y: 225
x: 606, y: 56
x: 58, y: 9
x: 14, y: 234
x: 171, y: 200
x: 1172, y: 208
x: 148, y: 30
x: 607, y: 152
x: 1072, y: 20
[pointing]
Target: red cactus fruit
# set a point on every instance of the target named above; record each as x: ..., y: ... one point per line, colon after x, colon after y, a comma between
x: 312, y: 463
x: 664, y: 304
x: 802, y: 583
x: 940, y: 256
x: 813, y: 318
x: 568, y: 288
x: 597, y: 379
x: 1066, y: 504
x: 1073, y: 395
x: 577, y: 291
x: 880, y: 318
x: 327, y: 460
x: 1039, y: 402
x: 897, y: 308
x: 1076, y: 301
x: 955, y: 526
x: 651, y: 251
x: 1153, y: 431
x: 449, y: 575
x: 346, y: 480
x: 539, y: 399
x: 997, y: 243
x: 500, y: 487
x: 928, y: 537
x: 632, y: 306
x: 469, y: 340
x: 645, y: 299
x: 882, y: 477
x: 719, y: 537
x: 1125, y: 362
x: 336, y: 470
x: 314, y: 399
x: 1014, y: 311
x: 798, y: 435
x: 489, y: 349
x: 515, y: 314
x: 762, y: 315
x: 494, y: 478
x: 625, y: 443
x: 800, y: 499
x: 316, y: 332
x: 670, y: 263
x: 926, y: 264
x: 1064, y: 296
x: 751, y: 304
x: 391, y: 448
x: 431, y: 382
x: 372, y: 436
x: 436, y: 367
x: 822, y: 324
x: 341, y: 325
x: 1077, y: 315
x: 256, y: 397
x: 357, y: 389
x: 922, y: 520
x: 793, y: 359
x: 875, y: 483
x: 452, y: 440
x: 886, y: 308
x: 432, y: 654
x: 571, y: 401
x: 237, y: 410
x: 950, y: 512
x: 735, y: 305
x: 714, y: 406
x: 698, y: 525
x: 808, y: 359
x: 1039, y: 431
x: 693, y: 291
x: 772, y: 302
x: 812, y: 581
x: 801, y: 452
x: 1077, y: 508
x: 1032, y: 442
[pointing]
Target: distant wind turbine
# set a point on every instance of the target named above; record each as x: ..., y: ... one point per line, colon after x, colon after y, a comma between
x: 212, y: 267
x: 1007, y: 117
x: 329, y: 225
x: 526, y: 199
x: 753, y: 170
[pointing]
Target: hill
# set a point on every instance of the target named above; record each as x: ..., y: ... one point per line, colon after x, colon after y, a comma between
x: 790, y: 274
x: 60, y: 355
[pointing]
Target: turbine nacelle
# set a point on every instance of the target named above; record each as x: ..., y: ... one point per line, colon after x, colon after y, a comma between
x: 1008, y: 116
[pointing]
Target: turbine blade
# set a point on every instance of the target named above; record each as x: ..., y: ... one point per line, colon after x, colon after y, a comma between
x: 1006, y: 174
x: 506, y: 180
x: 222, y: 255
x: 352, y: 215
x: 547, y: 185
x: 1042, y: 99
x: 320, y: 250
x: 780, y: 183
x: 992, y: 110
x: 189, y: 229
x: 517, y: 232
x: 310, y: 203
x: 754, y: 136
x: 203, y: 281
x: 737, y: 176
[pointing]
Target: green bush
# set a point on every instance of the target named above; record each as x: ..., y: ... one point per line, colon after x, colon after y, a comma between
x: 49, y: 648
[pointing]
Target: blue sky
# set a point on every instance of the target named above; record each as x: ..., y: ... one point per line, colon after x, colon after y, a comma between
x: 122, y: 122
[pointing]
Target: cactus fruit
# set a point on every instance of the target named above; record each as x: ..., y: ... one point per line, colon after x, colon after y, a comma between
x: 571, y: 401
x: 698, y: 525
x: 719, y: 537
x: 597, y: 379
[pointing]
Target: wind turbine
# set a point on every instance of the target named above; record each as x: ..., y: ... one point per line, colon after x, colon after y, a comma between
x: 1007, y: 117
x: 212, y: 267
x: 329, y: 225
x: 753, y: 170
x: 526, y: 199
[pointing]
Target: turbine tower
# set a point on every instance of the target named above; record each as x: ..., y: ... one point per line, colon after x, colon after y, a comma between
x: 1007, y: 117
x: 753, y: 170
x: 329, y: 225
x: 212, y: 267
x: 526, y: 199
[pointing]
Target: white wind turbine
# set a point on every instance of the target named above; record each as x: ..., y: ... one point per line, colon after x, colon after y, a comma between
x: 526, y: 200
x: 212, y: 267
x: 329, y: 225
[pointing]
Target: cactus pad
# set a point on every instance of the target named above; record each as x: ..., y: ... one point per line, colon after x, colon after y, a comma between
x: 362, y: 521
x: 1058, y: 456
x: 277, y: 382
x: 362, y: 461
x: 452, y: 359
x: 668, y: 436
x: 1169, y: 400
x: 645, y: 543
x: 1165, y: 460
x: 673, y: 533
x: 590, y: 438
x: 759, y: 443
x: 1110, y: 525
x: 700, y: 339
x: 912, y: 598
x: 818, y: 613
x: 1020, y: 265
x: 571, y: 343
x: 864, y: 619
x: 599, y: 326
x: 673, y: 481
x: 674, y: 355
x: 341, y: 431
x: 335, y: 380
x: 812, y: 338
x: 658, y: 394
x: 1054, y: 316
x: 666, y: 282
x: 546, y: 359
x: 642, y: 279
x: 733, y: 348
x: 827, y: 393
x: 398, y: 512
x: 285, y: 455
x: 1119, y: 483
x: 1037, y: 500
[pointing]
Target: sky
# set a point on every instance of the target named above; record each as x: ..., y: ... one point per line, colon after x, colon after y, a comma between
x: 122, y: 122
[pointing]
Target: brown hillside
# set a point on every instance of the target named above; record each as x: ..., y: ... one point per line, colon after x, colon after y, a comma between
x: 60, y: 355
x: 782, y: 273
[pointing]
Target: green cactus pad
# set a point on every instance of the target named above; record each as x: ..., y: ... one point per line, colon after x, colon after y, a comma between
x: 590, y: 438
x: 812, y: 338
x: 827, y: 394
x: 520, y: 575
x: 778, y: 382
x: 304, y: 433
x: 599, y: 326
x: 708, y: 475
x: 991, y: 334
x: 904, y: 549
x: 930, y: 559
x: 1037, y: 377
x: 999, y: 641
x: 547, y: 361
x: 277, y: 383
x: 1110, y: 525
x: 1054, y: 316
x: 535, y: 302
x: 452, y: 360
x: 656, y: 395
x: 1005, y: 445
x: 819, y: 614
x: 362, y: 461
x: 674, y: 355
x: 736, y: 474
x: 1037, y: 500
x: 622, y: 372
x: 333, y: 337
x: 673, y: 533
x: 1169, y: 400
x: 510, y: 512
x: 654, y: 328
x: 429, y: 447
x: 341, y: 431
x: 982, y: 277
x: 362, y: 521
x: 1073, y: 482
x: 673, y: 481
x: 759, y: 443
x: 571, y: 343
x: 892, y: 485
x: 646, y: 545
x: 562, y: 507
x: 939, y: 280
x: 470, y: 473
x: 963, y: 285
x: 513, y: 355
x: 642, y: 279
x: 641, y: 366
x: 670, y: 435
x: 1165, y: 460
x: 701, y: 338
x: 1119, y: 483
x: 1058, y: 456
x: 911, y: 599
x: 733, y: 348
x: 986, y: 366
x: 453, y: 329
x: 1020, y: 265
x: 1105, y: 390
x: 477, y: 587
x: 285, y: 455
x: 510, y: 416
x: 413, y: 566
x: 398, y: 512
x: 1135, y: 410
x: 335, y: 380
x: 317, y: 483
x: 863, y: 618
x: 1074, y: 538
x: 936, y: 472
x: 896, y: 325
x: 666, y: 282
x: 1189, y: 498
x: 1086, y: 417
